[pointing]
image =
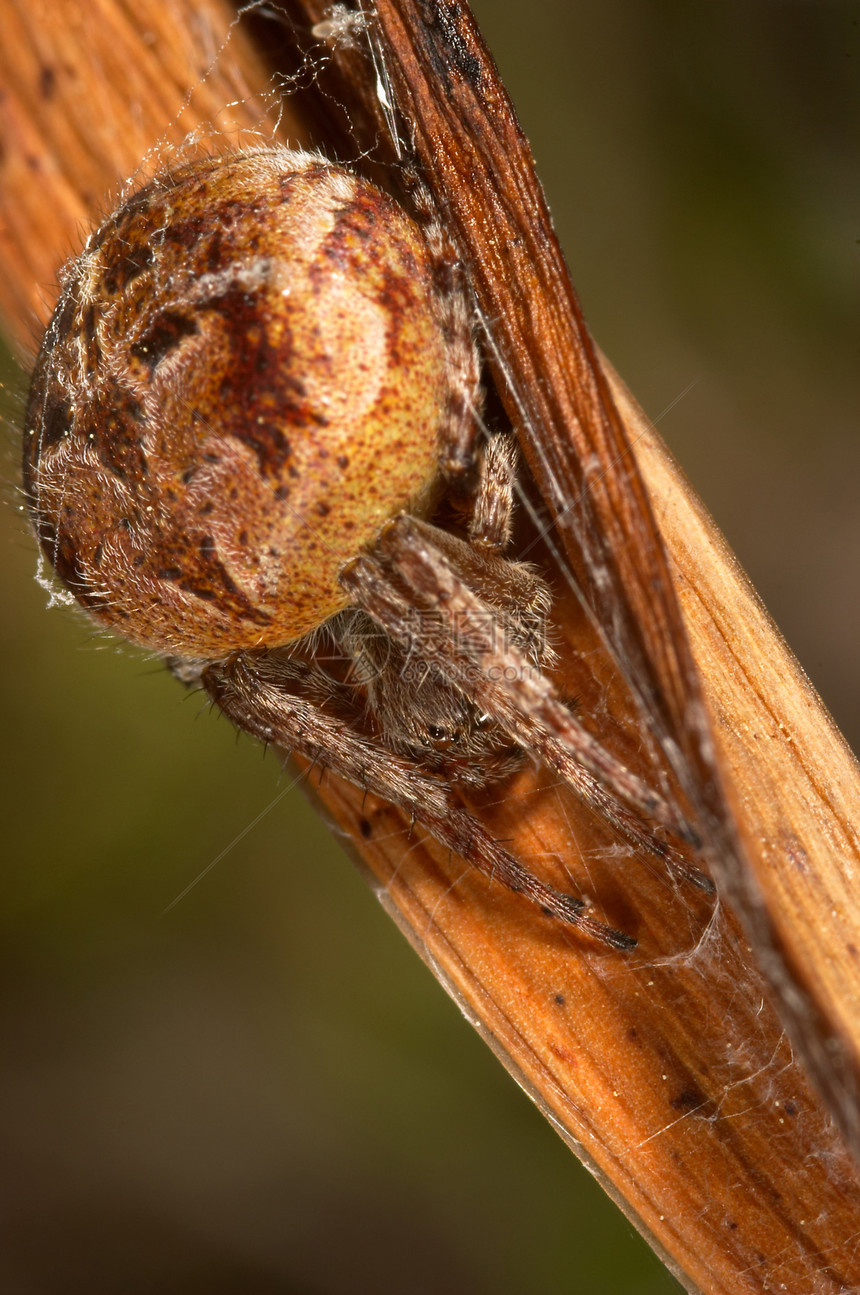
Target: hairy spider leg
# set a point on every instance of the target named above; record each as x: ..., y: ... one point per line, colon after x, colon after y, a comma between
x: 493, y: 505
x: 262, y: 694
x: 411, y: 566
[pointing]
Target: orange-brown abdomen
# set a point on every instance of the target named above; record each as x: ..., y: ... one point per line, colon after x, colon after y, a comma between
x: 244, y: 378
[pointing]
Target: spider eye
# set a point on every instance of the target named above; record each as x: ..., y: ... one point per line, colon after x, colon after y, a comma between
x: 443, y: 737
x: 242, y: 381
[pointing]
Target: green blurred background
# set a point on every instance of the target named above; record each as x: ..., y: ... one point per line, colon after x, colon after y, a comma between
x: 263, y: 1090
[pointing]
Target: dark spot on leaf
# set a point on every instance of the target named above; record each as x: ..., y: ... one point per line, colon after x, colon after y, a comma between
x: 687, y: 1100
x: 47, y: 82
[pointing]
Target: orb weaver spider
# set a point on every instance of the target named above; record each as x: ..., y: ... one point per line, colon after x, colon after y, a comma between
x: 259, y: 380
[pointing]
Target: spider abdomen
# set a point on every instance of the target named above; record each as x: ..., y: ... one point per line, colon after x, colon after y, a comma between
x: 245, y: 376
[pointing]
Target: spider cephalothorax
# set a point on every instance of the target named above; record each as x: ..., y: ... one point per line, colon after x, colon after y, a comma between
x: 258, y: 381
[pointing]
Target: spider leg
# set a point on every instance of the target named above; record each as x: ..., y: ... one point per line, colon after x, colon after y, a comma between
x: 456, y: 314
x: 490, y: 527
x: 407, y: 568
x: 260, y: 693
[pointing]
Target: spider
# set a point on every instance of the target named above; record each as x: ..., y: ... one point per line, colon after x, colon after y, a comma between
x: 259, y: 381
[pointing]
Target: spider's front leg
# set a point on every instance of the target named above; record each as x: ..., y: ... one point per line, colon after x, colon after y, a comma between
x: 492, y: 507
x: 415, y: 566
x: 418, y: 710
x: 269, y: 695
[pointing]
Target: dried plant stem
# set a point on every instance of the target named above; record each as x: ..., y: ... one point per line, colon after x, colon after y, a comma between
x: 797, y: 782
x: 668, y: 1070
